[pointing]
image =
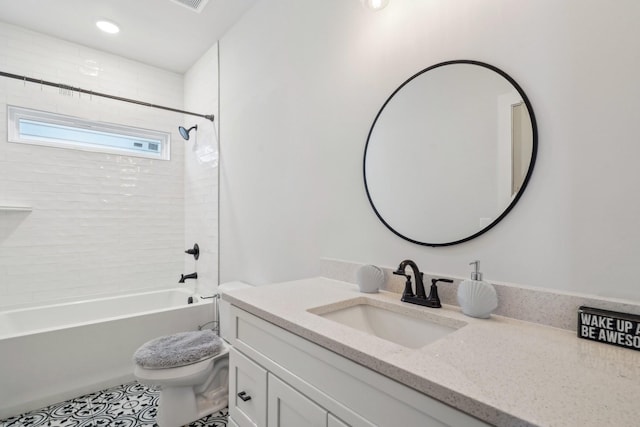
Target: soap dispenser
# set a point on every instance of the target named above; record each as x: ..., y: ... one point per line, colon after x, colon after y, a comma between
x: 476, y: 297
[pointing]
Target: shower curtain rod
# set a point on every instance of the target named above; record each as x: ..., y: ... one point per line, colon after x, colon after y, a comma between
x: 103, y: 95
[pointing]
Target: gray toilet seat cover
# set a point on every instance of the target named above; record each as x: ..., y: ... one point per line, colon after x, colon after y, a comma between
x: 184, y: 348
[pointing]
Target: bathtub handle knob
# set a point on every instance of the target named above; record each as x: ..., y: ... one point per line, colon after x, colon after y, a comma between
x: 244, y: 396
x: 195, y: 251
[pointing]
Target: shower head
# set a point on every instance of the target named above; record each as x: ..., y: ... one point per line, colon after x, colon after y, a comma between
x: 185, y: 132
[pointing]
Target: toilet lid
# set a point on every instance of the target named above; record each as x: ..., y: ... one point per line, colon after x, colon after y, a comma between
x: 179, y: 349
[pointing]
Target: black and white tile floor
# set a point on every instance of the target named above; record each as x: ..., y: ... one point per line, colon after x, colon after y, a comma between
x: 128, y: 405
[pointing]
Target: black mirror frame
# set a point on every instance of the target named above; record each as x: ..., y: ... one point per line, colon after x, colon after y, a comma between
x: 534, y: 151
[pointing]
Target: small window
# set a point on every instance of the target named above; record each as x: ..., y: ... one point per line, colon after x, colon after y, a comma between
x: 56, y: 130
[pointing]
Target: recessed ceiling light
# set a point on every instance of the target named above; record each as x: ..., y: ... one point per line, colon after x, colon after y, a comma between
x: 108, y: 27
x: 375, y: 4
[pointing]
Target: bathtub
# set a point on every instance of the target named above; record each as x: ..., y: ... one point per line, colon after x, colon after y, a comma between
x: 56, y: 352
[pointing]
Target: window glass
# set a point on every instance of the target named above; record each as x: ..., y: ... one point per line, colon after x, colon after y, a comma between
x: 56, y: 130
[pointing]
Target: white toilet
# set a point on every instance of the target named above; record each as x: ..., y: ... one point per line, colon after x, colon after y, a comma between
x: 190, y: 390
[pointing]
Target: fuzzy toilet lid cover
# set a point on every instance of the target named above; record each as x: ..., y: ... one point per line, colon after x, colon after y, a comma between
x: 179, y: 349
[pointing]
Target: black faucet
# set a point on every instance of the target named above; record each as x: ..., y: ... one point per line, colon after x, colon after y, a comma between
x: 184, y: 277
x: 433, y: 300
x: 420, y: 298
x: 408, y: 294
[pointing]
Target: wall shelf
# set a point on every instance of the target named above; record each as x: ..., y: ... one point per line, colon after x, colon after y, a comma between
x: 14, y: 208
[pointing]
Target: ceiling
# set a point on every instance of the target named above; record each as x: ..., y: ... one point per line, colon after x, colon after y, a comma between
x: 156, y: 32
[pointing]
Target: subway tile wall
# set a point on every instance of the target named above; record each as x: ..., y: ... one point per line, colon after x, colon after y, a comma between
x: 201, y: 178
x: 100, y: 223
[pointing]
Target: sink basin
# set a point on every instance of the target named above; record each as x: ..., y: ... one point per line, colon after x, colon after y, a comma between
x: 388, y: 324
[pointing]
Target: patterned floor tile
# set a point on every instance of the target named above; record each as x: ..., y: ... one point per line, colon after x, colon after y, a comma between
x: 128, y: 405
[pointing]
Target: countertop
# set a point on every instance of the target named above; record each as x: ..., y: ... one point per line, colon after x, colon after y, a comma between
x: 503, y: 371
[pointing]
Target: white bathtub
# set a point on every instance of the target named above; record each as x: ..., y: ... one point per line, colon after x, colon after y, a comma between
x: 52, y: 353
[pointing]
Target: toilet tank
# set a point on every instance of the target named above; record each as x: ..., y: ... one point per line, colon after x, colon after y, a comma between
x: 225, y: 307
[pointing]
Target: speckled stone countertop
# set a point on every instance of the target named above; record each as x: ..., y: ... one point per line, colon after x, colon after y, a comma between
x: 503, y: 371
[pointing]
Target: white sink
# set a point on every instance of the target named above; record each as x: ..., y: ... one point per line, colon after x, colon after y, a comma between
x: 407, y: 330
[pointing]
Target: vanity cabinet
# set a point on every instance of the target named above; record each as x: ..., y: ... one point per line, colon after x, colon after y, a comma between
x: 334, y: 422
x: 247, y: 390
x: 287, y: 407
x: 259, y: 398
x: 280, y: 379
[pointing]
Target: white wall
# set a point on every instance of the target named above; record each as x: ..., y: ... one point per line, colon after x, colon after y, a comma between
x: 301, y: 82
x: 201, y: 178
x: 100, y: 223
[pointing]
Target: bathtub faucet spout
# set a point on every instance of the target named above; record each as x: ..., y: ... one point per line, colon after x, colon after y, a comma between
x: 184, y: 277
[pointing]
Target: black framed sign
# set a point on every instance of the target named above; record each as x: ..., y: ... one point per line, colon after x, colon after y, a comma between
x: 610, y: 327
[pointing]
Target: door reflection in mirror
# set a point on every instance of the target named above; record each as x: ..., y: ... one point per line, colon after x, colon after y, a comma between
x: 521, y: 145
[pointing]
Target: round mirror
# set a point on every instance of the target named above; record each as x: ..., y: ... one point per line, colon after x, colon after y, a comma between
x: 450, y: 153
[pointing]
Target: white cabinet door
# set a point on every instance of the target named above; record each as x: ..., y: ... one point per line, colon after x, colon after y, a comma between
x: 334, y: 422
x: 247, y: 391
x: 289, y: 408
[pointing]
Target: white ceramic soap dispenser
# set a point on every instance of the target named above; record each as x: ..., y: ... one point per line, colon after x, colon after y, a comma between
x: 476, y: 297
